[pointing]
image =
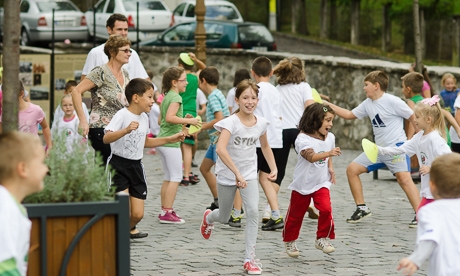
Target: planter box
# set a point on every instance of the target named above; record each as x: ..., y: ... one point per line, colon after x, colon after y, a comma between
x: 85, y: 238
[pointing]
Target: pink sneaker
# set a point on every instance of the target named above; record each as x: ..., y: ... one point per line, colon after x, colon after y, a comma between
x: 206, y: 229
x: 171, y: 218
x: 253, y: 267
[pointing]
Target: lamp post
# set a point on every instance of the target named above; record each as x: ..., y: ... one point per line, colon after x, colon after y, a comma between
x: 200, y: 32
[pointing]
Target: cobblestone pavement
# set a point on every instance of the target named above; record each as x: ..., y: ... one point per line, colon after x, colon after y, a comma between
x: 372, y: 247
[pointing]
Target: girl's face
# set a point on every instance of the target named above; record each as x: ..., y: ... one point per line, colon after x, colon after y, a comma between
x: 67, y: 106
x: 449, y: 84
x: 182, y: 82
x: 247, y: 101
x: 422, y: 122
x: 327, y: 124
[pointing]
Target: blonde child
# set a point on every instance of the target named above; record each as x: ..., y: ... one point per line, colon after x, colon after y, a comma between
x: 174, y: 82
x: 427, y: 144
x: 59, y: 113
x: 236, y: 168
x: 22, y: 170
x: 437, y: 237
x: 313, y: 177
x: 127, y: 135
x: 450, y: 92
x: 67, y: 125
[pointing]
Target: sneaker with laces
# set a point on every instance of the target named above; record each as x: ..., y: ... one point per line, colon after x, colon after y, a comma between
x: 170, y: 217
x: 253, y: 267
x: 213, y: 206
x: 413, y: 223
x: 266, y: 216
x: 324, y: 245
x: 234, y: 221
x: 358, y: 215
x: 273, y: 224
x: 291, y: 249
x: 206, y: 228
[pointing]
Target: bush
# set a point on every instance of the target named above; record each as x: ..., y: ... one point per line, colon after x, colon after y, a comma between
x: 76, y: 174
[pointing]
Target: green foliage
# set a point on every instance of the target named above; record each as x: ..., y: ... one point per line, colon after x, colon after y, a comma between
x: 76, y: 175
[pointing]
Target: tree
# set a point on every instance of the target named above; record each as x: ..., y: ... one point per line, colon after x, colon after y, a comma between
x: 386, y: 32
x: 355, y: 5
x: 10, y: 65
x: 324, y: 16
x: 417, y: 39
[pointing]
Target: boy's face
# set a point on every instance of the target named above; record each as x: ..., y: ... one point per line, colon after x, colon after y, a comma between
x: 406, y: 91
x: 146, y: 101
x: 36, y: 169
x: 202, y: 86
x: 370, y: 89
x: 69, y: 90
x: 67, y: 106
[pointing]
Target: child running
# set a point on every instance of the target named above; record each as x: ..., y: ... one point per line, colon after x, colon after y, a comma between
x: 127, y: 135
x: 438, y: 238
x: 427, y: 144
x: 236, y: 168
x: 313, y: 177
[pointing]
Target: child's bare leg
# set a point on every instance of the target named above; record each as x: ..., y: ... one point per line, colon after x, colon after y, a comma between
x: 405, y: 181
x: 354, y: 170
x: 187, y: 158
x: 136, y: 212
x: 209, y: 176
x: 164, y: 187
x: 237, y: 201
x: 269, y: 190
x: 170, y: 194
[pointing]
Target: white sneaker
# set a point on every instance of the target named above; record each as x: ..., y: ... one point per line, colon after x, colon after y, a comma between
x: 291, y: 249
x: 324, y: 245
x: 266, y: 216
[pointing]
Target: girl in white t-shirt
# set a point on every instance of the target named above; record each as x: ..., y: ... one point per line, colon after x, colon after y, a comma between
x: 66, y: 126
x: 313, y: 177
x: 236, y: 168
x: 427, y: 144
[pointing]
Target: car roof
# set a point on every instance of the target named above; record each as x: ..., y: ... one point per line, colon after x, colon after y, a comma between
x: 209, y: 2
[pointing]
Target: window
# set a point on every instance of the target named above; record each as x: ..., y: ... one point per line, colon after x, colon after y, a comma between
x: 179, y: 9
x: 110, y: 7
x: 182, y: 32
x: 221, y: 12
x: 57, y: 6
x: 25, y: 6
x: 255, y: 33
x: 190, y: 11
x: 144, y: 5
x: 100, y: 7
x: 214, y: 31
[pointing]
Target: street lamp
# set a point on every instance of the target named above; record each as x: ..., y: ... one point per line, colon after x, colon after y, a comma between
x: 200, y: 32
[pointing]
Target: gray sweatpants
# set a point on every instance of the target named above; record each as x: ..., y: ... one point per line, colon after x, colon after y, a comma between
x: 250, y: 196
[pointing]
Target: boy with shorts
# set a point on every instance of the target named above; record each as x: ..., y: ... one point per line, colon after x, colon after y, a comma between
x: 22, y: 170
x: 387, y: 113
x: 216, y: 110
x: 438, y: 238
x: 127, y: 134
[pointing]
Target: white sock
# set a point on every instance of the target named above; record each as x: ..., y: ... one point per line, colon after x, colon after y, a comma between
x: 276, y: 214
x: 236, y: 213
x: 363, y: 208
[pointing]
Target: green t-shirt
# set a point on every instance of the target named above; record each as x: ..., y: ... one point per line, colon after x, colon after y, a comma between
x: 417, y: 98
x: 189, y: 96
x: 167, y: 129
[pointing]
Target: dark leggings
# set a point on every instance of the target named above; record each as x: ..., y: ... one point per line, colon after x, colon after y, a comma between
x: 95, y: 135
x: 455, y: 147
x: 289, y: 136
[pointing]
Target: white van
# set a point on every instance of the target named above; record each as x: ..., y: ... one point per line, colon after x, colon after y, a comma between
x: 215, y: 9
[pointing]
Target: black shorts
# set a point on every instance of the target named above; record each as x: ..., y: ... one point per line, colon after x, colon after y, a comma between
x: 262, y: 164
x: 129, y: 174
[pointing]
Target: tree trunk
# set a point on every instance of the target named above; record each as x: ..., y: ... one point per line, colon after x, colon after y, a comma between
x: 417, y: 39
x: 10, y: 64
x: 303, y: 26
x: 324, y: 16
x: 386, y: 33
x: 294, y: 9
x: 456, y: 41
x: 333, y: 20
x: 422, y: 33
x: 355, y: 5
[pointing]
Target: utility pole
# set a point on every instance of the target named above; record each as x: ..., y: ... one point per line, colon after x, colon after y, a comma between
x: 200, y: 32
x: 272, y: 15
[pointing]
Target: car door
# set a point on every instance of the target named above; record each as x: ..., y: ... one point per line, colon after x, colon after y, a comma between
x: 29, y: 20
x: 181, y: 35
x: 178, y: 13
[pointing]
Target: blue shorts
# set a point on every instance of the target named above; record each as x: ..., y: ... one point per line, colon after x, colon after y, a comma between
x: 211, y: 153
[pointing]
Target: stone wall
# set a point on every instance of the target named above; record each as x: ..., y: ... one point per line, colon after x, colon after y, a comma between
x: 338, y: 77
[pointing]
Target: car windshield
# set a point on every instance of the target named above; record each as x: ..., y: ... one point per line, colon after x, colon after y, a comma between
x: 145, y: 5
x: 255, y: 33
x: 221, y: 12
x: 57, y: 6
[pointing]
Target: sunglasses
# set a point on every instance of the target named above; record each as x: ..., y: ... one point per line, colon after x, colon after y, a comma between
x: 126, y: 51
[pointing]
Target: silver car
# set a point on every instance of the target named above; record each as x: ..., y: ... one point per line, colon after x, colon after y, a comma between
x: 36, y: 21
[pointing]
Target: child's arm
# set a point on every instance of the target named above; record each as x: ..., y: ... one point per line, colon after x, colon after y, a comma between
x: 156, y: 142
x: 202, y: 109
x: 221, y: 150
x: 452, y: 120
x: 410, y: 126
x: 342, y: 112
x: 311, y: 156
x: 112, y: 136
x: 331, y: 171
x: 46, y: 134
x: 217, y: 117
x: 268, y: 154
x: 172, y: 118
x: 198, y: 62
x: 422, y: 252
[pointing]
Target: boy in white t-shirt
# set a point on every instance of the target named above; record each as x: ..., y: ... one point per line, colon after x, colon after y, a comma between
x: 127, y: 135
x: 22, y: 169
x: 387, y: 113
x: 438, y: 238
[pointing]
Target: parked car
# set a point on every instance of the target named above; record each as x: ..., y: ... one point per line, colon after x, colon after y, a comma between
x: 154, y: 17
x: 36, y: 21
x: 215, y: 9
x: 219, y: 34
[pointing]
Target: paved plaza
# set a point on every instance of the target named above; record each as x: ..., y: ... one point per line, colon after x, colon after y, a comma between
x: 372, y: 247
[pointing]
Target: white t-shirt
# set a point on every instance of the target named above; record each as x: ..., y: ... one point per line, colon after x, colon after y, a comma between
x: 153, y: 119
x: 453, y: 134
x: 310, y: 177
x: 293, y: 98
x: 231, y: 99
x: 200, y: 99
x: 269, y: 107
x: 241, y: 147
x: 69, y: 129
x: 387, y: 115
x: 97, y: 57
x: 427, y: 148
x: 439, y: 222
x: 59, y: 113
x: 14, y: 231
x: 130, y: 146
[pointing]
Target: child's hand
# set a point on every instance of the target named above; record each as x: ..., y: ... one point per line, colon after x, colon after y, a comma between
x: 332, y: 173
x: 132, y: 126
x: 408, y: 266
x: 241, y: 182
x: 335, y: 152
x: 272, y: 176
x: 424, y: 170
x: 195, y: 122
x: 192, y: 56
x: 178, y: 137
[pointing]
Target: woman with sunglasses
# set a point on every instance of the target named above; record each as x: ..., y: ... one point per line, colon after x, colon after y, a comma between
x: 107, y: 86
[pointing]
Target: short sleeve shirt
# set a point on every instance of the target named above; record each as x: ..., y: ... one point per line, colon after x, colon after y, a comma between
x: 216, y: 103
x: 189, y: 96
x: 231, y: 99
x: 167, y: 129
x: 30, y: 118
x: 293, y: 98
x: 107, y: 97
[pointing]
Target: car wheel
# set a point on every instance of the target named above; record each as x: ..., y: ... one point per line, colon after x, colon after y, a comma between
x: 25, y: 41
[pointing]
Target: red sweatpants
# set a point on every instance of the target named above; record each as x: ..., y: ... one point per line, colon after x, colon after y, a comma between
x: 299, y: 206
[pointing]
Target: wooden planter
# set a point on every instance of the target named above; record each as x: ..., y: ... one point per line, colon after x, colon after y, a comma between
x: 89, y: 238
